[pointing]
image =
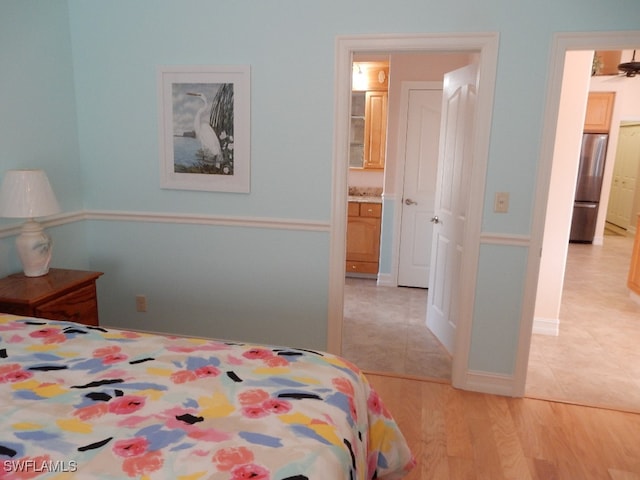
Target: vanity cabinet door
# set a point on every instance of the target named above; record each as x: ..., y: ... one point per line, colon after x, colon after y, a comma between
x: 363, y: 237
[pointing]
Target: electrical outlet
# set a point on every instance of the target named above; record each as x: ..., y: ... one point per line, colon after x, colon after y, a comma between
x: 141, y: 303
x: 501, y: 202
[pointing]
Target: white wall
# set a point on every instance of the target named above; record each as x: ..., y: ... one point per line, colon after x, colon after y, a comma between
x: 573, y: 103
x: 559, y: 213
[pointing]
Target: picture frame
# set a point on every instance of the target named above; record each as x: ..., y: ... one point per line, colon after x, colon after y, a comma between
x: 204, y: 117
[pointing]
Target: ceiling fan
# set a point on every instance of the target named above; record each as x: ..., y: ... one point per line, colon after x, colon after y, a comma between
x: 632, y: 68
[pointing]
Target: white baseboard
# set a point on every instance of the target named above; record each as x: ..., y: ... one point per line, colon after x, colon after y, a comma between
x: 493, y: 383
x: 546, y: 326
x: 386, y: 280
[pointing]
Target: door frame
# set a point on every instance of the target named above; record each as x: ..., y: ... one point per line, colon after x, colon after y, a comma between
x: 485, y: 45
x: 405, y: 88
x: 561, y: 44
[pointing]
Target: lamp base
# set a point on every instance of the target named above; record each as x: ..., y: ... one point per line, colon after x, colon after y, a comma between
x: 34, y: 249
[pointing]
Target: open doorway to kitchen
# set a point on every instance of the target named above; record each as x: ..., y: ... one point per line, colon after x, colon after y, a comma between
x: 583, y: 349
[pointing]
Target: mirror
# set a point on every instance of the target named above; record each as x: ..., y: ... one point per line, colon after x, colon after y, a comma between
x: 356, y: 133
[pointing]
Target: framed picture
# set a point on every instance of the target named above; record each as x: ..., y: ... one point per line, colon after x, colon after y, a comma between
x: 205, y: 128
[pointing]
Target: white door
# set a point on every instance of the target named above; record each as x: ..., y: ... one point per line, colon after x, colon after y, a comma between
x: 454, y: 167
x: 625, y: 173
x: 419, y: 190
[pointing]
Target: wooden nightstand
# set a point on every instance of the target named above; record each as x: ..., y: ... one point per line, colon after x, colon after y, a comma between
x: 59, y: 295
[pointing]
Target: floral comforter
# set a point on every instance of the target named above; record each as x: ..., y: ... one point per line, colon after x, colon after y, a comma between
x: 89, y: 402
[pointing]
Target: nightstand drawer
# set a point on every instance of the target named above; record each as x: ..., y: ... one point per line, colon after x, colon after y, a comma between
x: 78, y: 306
x: 59, y: 295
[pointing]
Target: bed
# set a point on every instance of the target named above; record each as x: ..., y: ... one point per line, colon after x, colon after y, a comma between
x: 89, y: 402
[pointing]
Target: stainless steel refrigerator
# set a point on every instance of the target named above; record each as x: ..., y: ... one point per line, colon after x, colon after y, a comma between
x: 588, y: 187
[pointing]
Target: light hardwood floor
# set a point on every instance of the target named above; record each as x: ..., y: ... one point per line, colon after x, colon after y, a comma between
x: 594, y: 361
x: 465, y: 435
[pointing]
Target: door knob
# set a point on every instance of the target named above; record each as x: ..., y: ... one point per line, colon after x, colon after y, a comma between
x: 408, y: 201
x: 435, y: 219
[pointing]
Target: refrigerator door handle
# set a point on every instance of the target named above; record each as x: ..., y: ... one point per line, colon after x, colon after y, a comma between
x: 585, y: 205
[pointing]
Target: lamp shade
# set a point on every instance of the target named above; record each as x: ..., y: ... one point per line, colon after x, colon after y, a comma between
x: 27, y: 194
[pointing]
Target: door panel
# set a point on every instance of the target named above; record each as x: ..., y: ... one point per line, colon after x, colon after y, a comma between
x: 454, y: 167
x: 421, y: 160
x: 623, y: 187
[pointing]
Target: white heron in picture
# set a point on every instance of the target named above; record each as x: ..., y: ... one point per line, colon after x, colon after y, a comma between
x: 204, y: 131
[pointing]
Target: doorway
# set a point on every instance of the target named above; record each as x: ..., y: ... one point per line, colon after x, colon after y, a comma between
x: 620, y: 212
x: 580, y: 304
x: 562, y: 44
x: 485, y: 46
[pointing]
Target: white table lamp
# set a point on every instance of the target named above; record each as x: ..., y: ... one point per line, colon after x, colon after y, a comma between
x: 28, y: 194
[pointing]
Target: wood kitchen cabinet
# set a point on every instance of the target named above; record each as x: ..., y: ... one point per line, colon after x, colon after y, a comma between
x: 606, y: 62
x: 599, y: 112
x: 363, y: 237
x: 633, y: 280
x: 59, y: 295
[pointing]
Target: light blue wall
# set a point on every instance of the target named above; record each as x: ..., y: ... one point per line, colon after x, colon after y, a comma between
x: 38, y: 113
x: 500, y: 301
x: 291, y: 99
x: 115, y: 48
x: 386, y: 235
x: 213, y: 281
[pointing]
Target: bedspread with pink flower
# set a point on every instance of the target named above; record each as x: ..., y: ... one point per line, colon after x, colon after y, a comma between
x: 96, y: 403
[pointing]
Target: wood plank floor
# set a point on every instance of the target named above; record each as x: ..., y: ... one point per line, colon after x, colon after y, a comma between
x: 456, y: 434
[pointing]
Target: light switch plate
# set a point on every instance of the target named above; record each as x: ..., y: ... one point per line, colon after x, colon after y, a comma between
x: 501, y: 202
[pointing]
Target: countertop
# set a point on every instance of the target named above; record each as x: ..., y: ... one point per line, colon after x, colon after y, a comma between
x: 365, y: 198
